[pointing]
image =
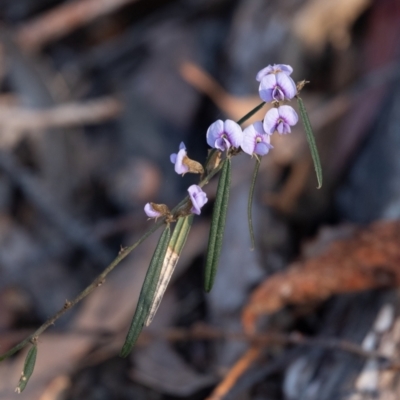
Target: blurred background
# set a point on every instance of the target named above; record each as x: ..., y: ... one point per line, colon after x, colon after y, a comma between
x: 94, y: 97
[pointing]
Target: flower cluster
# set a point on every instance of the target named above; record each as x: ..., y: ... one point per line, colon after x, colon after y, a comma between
x: 276, y: 86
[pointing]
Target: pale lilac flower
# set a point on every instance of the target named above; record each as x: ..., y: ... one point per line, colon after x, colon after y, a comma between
x: 277, y: 87
x: 151, y: 212
x: 280, y: 119
x: 222, y: 135
x: 198, y: 198
x: 255, y: 140
x: 274, y: 69
x: 177, y: 159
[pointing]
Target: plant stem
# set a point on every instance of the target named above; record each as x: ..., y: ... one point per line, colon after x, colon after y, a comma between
x: 100, y: 279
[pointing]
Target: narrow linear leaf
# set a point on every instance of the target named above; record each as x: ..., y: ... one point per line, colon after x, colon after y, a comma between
x: 251, y: 113
x: 217, y: 225
x: 147, y: 292
x: 175, y: 246
x: 311, y: 141
x: 29, y: 366
x: 250, y: 202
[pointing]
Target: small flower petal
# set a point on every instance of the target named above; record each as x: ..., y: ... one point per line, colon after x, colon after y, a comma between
x: 289, y: 115
x: 262, y: 148
x: 277, y: 87
x: 266, y: 88
x: 270, y: 120
x: 280, y: 119
x: 287, y: 85
x: 255, y: 140
x: 198, y: 198
x: 214, y: 132
x: 222, y: 135
x: 234, y: 132
x: 273, y: 69
x: 151, y: 212
x: 177, y: 159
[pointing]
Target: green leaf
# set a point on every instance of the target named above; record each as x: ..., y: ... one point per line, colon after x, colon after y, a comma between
x: 174, y: 250
x: 251, y: 113
x: 29, y: 366
x: 250, y: 202
x: 311, y: 141
x: 217, y: 225
x: 147, y: 292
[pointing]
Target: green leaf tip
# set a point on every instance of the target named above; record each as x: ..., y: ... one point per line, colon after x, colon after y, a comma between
x: 311, y: 142
x: 147, y: 293
x: 217, y: 225
x: 29, y: 366
x: 250, y: 202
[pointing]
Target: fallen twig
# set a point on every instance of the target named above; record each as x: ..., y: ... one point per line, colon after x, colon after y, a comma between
x: 14, y: 121
x: 62, y: 20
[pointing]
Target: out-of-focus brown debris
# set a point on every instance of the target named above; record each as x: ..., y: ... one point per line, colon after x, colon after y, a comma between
x: 14, y: 121
x: 64, y: 19
x: 238, y: 369
x: 234, y: 106
x: 320, y: 22
x: 369, y: 259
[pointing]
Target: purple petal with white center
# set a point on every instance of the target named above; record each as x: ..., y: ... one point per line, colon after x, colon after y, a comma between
x: 273, y: 69
x: 214, y: 132
x: 234, y: 133
x: 151, y: 212
x: 198, y: 198
x: 287, y: 85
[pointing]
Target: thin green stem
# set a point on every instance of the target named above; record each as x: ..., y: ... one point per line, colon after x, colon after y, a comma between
x: 99, y: 280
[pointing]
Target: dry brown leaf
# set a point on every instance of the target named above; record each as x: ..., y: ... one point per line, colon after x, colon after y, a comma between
x: 369, y: 259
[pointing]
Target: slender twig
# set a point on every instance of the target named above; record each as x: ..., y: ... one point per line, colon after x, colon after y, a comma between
x: 122, y: 254
x: 65, y: 115
x: 238, y: 369
x: 205, y: 332
x: 61, y: 20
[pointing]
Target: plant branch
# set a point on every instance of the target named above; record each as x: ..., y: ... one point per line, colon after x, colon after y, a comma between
x: 100, y: 279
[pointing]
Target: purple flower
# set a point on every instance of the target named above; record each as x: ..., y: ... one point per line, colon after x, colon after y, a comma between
x: 255, y: 140
x: 222, y: 135
x: 154, y: 210
x: 198, y: 198
x: 277, y: 87
x: 177, y: 159
x: 274, y: 69
x: 151, y: 212
x: 280, y: 119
